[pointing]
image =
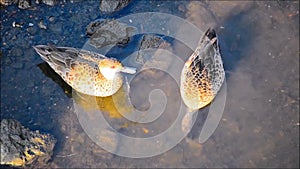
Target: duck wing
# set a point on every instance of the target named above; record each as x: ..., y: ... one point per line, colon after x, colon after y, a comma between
x: 62, y: 59
x: 206, y: 63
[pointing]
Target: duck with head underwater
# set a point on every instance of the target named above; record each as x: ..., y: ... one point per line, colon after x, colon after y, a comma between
x: 202, y: 76
x: 87, y: 72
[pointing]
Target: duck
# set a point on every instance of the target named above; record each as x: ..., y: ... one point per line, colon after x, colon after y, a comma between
x: 201, y: 77
x: 87, y: 72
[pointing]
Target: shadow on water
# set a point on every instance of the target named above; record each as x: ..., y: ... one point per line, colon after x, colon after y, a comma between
x: 49, y: 72
x: 235, y: 38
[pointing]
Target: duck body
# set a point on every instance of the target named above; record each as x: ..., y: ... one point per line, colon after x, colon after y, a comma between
x: 202, y: 77
x: 86, y: 72
x: 203, y: 74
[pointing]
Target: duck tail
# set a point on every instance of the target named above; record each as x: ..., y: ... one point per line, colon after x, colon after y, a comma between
x: 54, y: 55
x: 43, y: 51
x: 211, y: 33
x: 212, y: 36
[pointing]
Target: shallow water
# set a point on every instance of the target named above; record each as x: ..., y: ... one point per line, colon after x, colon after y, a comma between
x: 260, y: 49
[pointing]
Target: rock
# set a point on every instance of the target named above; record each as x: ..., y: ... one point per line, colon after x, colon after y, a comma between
x: 24, y: 4
x: 157, y: 61
x: 8, y: 2
x: 21, y: 147
x: 109, y: 6
x: 148, y: 41
x: 93, y: 27
x: 42, y: 24
x: 51, y: 18
x: 50, y: 2
x: 109, y: 32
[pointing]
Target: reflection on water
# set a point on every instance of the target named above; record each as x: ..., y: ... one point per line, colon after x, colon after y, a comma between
x: 106, y: 105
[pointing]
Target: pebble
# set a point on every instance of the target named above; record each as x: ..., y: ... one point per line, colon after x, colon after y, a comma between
x: 15, y: 24
x: 42, y: 25
x: 30, y: 24
x: 51, y: 18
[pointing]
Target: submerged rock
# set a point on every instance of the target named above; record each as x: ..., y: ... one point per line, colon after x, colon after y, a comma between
x: 148, y: 41
x: 109, y: 6
x: 20, y: 146
x: 109, y: 32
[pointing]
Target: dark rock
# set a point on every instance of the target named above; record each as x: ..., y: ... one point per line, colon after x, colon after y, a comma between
x: 8, y: 2
x: 148, y: 41
x: 109, y: 32
x: 109, y: 6
x: 24, y: 4
x: 94, y: 26
x: 20, y: 147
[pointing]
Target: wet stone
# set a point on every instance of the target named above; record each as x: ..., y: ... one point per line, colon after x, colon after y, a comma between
x: 109, y: 32
x: 93, y: 27
x: 51, y: 18
x: 22, y: 147
x: 109, y: 6
x: 8, y: 2
x: 24, y: 4
x: 148, y: 41
x: 50, y: 2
